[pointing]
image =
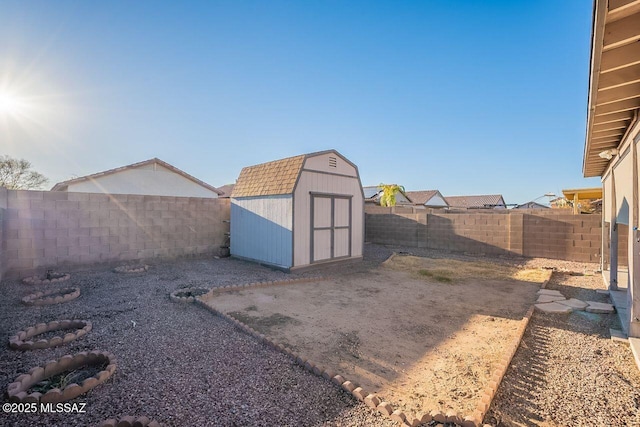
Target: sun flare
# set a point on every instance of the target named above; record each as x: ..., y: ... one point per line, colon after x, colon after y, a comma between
x: 10, y: 104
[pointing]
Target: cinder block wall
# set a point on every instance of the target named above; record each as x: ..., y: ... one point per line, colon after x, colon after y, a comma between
x: 532, y: 233
x: 563, y: 236
x: 66, y: 230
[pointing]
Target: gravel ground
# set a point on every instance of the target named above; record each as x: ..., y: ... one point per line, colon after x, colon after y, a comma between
x: 567, y: 371
x: 181, y: 365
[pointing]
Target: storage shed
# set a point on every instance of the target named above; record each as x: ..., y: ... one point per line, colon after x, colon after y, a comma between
x: 299, y: 211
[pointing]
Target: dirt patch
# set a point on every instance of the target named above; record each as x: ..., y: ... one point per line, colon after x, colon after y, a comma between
x: 419, y: 340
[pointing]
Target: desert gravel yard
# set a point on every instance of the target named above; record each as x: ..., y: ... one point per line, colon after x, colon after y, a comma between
x: 182, y: 365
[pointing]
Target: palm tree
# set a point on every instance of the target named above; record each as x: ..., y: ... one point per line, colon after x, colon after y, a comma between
x: 389, y: 192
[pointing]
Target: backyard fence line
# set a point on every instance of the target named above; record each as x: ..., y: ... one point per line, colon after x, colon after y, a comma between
x: 51, y: 229
x: 546, y: 234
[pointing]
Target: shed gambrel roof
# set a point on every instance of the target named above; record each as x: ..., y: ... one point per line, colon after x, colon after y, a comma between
x: 269, y: 179
x: 62, y: 186
x: 476, y: 202
x: 275, y: 178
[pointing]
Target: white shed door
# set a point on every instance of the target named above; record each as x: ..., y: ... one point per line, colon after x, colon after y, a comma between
x: 330, y: 227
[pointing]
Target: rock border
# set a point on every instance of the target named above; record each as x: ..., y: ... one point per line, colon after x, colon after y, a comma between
x: 43, y: 298
x: 371, y: 399
x: 38, y: 280
x: 21, y: 340
x: 129, y: 269
x: 500, y: 371
x: 17, y: 390
x: 130, y: 421
x: 175, y: 298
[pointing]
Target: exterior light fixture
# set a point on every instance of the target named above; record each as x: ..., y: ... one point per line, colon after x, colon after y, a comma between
x: 608, y: 154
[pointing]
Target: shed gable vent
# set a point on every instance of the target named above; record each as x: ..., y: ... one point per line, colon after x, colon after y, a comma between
x: 333, y: 162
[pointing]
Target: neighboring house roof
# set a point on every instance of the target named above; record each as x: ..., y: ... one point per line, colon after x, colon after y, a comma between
x: 61, y: 186
x: 476, y: 202
x: 372, y: 194
x: 614, y: 91
x: 423, y: 197
x: 531, y: 205
x: 226, y: 190
x: 274, y: 178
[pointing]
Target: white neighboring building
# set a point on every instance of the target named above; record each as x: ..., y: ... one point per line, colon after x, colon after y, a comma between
x: 152, y: 178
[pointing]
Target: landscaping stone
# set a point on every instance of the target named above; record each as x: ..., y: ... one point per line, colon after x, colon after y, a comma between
x: 51, y: 296
x: 552, y: 292
x: 50, y: 277
x: 574, y: 303
x: 599, y: 307
x: 549, y: 298
x: 21, y: 341
x: 128, y: 269
x: 17, y: 391
x: 385, y: 408
x: 553, y: 307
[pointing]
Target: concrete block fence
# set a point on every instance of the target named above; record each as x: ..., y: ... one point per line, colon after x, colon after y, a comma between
x: 531, y: 233
x: 45, y: 229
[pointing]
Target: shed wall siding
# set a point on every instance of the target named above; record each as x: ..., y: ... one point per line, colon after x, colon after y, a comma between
x: 321, y: 163
x: 329, y: 184
x: 261, y: 229
x: 158, y: 181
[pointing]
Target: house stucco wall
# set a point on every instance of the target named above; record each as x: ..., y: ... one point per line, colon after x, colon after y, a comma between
x: 153, y: 180
x: 44, y: 229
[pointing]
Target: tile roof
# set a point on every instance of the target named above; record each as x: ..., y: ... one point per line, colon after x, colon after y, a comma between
x: 475, y: 202
x: 61, y: 186
x: 269, y: 179
x: 421, y: 197
x: 226, y: 190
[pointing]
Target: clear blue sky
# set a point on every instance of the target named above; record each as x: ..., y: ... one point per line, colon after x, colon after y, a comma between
x: 468, y: 97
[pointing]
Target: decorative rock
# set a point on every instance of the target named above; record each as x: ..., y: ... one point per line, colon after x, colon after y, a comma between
x: 574, y: 303
x: 108, y: 423
x: 599, y: 307
x: 385, y: 408
x: 603, y: 291
x: 72, y: 391
x: 553, y: 307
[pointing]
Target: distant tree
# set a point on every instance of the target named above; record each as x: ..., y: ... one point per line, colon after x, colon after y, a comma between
x: 389, y: 192
x: 16, y: 174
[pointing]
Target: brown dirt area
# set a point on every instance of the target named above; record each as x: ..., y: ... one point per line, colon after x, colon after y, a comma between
x: 422, y: 333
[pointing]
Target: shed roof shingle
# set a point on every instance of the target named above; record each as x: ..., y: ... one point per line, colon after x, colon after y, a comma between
x: 269, y: 179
